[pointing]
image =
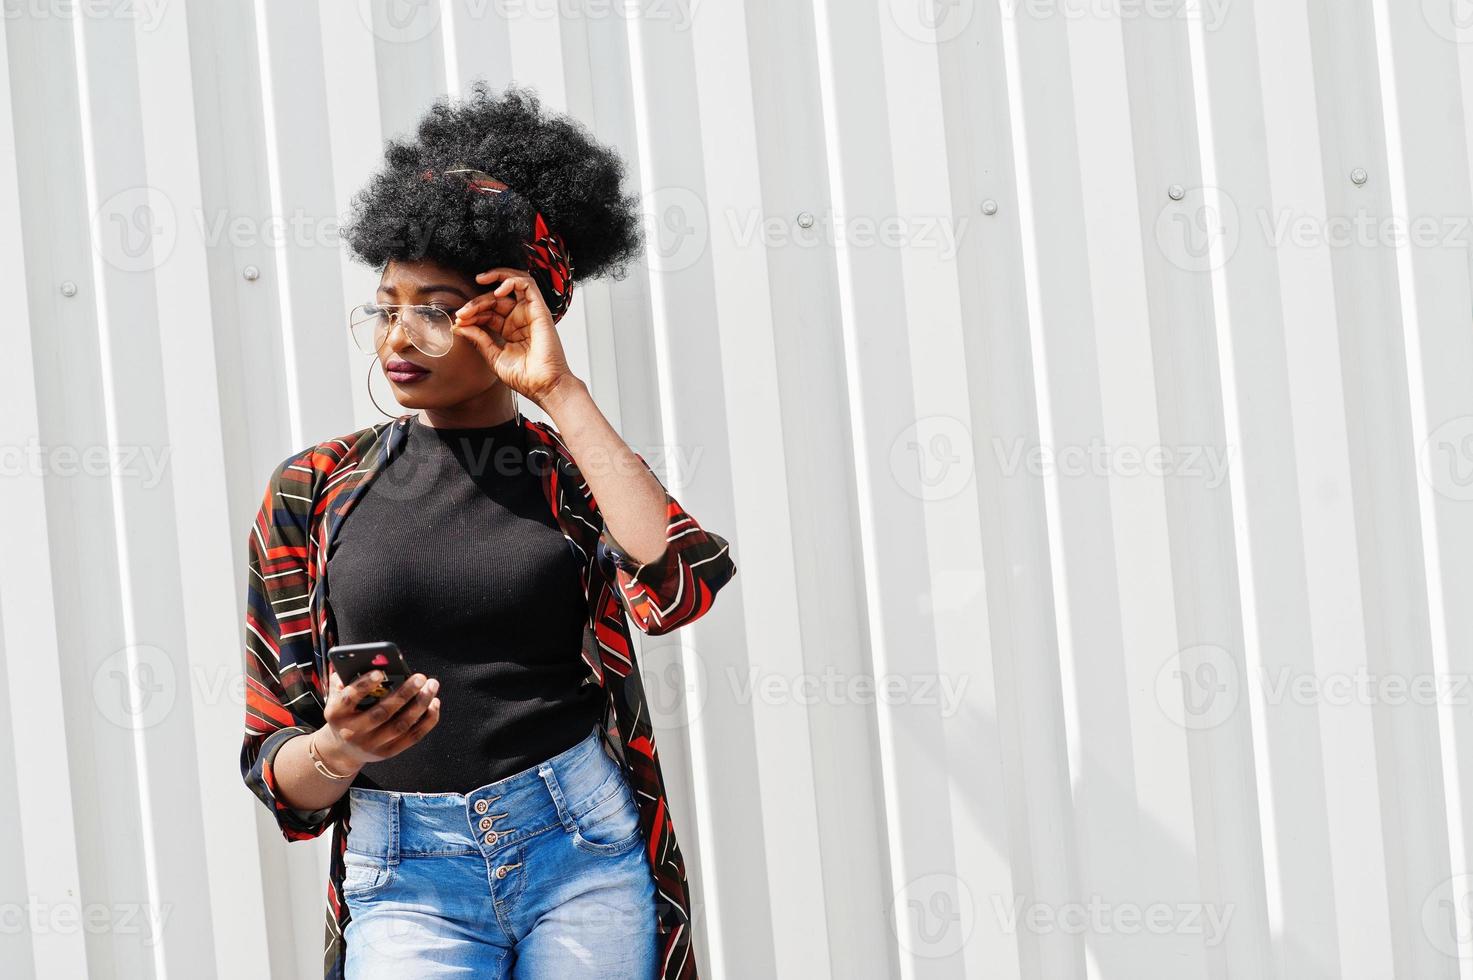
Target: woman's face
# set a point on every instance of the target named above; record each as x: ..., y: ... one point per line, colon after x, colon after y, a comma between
x: 418, y: 380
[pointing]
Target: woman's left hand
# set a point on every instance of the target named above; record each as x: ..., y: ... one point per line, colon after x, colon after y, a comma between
x: 514, y: 331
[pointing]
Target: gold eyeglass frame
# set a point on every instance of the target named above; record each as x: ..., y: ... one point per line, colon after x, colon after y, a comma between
x: 395, y: 313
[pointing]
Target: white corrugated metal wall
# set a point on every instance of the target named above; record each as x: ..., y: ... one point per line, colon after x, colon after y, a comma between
x: 1083, y: 384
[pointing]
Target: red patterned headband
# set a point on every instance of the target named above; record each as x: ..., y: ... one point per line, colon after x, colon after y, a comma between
x: 548, y: 261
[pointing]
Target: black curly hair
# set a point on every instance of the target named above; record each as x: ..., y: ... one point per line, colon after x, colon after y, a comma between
x: 552, y: 162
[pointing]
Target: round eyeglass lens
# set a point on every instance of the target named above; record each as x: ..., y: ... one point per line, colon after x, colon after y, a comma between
x: 429, y: 327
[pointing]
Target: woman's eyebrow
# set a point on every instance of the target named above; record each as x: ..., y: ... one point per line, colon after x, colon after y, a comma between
x: 432, y: 288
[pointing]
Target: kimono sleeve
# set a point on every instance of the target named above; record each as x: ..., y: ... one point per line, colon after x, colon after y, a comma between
x: 281, y: 694
x: 678, y: 587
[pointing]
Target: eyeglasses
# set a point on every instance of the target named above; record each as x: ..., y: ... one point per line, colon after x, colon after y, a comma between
x: 428, y: 327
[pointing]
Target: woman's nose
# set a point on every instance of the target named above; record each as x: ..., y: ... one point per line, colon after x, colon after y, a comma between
x: 399, y: 330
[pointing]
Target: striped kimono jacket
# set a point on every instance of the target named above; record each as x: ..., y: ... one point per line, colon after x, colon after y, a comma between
x: 289, y: 629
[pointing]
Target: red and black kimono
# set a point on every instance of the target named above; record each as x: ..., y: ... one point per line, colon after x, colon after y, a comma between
x: 289, y: 629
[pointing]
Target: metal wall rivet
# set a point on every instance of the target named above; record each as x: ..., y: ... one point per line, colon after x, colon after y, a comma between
x: 989, y: 206
x: 69, y: 288
x: 1176, y: 192
x: 1358, y: 176
x: 251, y: 273
x: 805, y: 220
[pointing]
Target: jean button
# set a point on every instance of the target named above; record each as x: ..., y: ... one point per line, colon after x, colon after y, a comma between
x: 485, y: 823
x: 491, y: 837
x: 482, y: 806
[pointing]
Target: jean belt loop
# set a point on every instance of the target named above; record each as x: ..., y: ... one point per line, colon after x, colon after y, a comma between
x: 396, y: 809
x: 549, y: 776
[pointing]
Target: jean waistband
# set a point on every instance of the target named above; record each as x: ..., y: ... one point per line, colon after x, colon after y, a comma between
x: 388, y: 824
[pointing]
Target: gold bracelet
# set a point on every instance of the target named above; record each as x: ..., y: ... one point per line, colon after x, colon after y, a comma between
x: 317, y: 759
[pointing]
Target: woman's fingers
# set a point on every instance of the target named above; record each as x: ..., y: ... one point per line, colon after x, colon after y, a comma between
x: 348, y: 695
x: 483, y: 337
x: 428, y: 720
x: 479, y: 306
x: 516, y: 285
x: 367, y: 721
x: 486, y: 307
x: 403, y: 721
x: 513, y: 286
x: 500, y: 272
x: 341, y: 712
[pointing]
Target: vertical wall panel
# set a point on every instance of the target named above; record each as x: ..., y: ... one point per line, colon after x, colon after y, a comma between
x: 1250, y: 328
x: 928, y: 224
x: 721, y: 826
x: 1322, y: 463
x: 1095, y: 452
x: 40, y: 858
x: 1383, y: 478
x: 747, y: 312
x: 205, y: 598
x: 1205, y: 563
x: 892, y: 520
x: 1428, y: 182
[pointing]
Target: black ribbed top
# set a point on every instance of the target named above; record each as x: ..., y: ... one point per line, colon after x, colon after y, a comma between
x: 453, y: 554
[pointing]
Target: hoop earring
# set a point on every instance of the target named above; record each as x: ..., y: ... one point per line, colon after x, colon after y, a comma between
x: 369, y: 387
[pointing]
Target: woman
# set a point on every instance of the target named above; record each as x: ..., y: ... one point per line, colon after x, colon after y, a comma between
x: 501, y: 812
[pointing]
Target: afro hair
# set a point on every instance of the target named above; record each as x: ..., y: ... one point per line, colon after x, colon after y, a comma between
x: 552, y: 163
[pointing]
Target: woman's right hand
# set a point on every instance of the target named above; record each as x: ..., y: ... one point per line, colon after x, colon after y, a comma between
x: 353, y: 738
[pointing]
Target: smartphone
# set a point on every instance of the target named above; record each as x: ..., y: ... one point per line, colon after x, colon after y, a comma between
x: 354, y: 659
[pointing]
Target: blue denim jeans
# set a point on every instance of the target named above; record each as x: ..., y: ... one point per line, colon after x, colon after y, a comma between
x: 539, y: 875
